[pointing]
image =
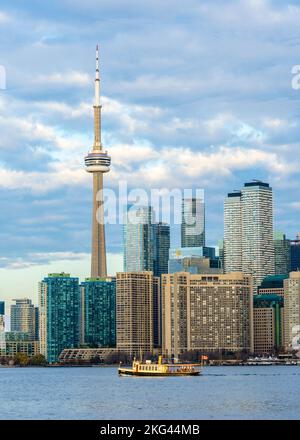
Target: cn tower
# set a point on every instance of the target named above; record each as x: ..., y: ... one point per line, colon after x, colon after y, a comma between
x: 97, y: 162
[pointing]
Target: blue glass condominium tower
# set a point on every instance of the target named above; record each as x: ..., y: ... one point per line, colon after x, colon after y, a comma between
x: 98, y: 313
x: 59, y: 305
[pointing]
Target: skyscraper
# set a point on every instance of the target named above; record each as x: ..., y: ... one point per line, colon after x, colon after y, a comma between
x: 59, y: 307
x: 268, y: 323
x: 282, y: 248
x: 291, y: 309
x: 2, y: 312
x: 138, y: 312
x: 221, y: 253
x: 161, y: 248
x: 206, y: 312
x: 248, y: 232
x: 146, y: 243
x: 23, y: 316
x: 193, y: 222
x: 233, y: 232
x: 139, y: 239
x: 98, y: 314
x: 295, y: 254
x: 97, y: 162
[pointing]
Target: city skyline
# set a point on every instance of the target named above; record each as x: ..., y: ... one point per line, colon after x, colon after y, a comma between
x: 228, y: 140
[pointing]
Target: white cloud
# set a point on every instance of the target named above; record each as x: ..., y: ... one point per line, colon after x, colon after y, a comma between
x: 5, y: 18
x: 69, y: 78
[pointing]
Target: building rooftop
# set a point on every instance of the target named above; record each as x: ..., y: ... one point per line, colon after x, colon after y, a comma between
x: 257, y: 183
x: 273, y: 282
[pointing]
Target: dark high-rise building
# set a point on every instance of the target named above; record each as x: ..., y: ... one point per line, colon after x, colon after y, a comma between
x: 295, y: 254
x: 161, y: 248
x: 2, y: 312
x: 98, y: 313
x: 193, y: 222
x: 282, y: 247
x: 59, y: 311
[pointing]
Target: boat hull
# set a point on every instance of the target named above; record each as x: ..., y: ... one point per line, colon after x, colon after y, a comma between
x: 125, y: 372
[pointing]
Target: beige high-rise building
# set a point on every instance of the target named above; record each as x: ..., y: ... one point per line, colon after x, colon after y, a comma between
x: 291, y: 309
x: 97, y: 162
x: 206, y: 312
x: 268, y: 324
x: 264, y: 330
x: 24, y: 317
x: 248, y: 232
x: 138, y: 312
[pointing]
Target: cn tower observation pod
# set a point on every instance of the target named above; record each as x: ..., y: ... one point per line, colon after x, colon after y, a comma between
x: 97, y: 162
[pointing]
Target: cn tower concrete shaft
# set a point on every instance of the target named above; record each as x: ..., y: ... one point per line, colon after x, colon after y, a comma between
x: 98, y: 263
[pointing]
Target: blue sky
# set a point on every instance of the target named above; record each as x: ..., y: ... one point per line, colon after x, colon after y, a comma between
x: 195, y: 94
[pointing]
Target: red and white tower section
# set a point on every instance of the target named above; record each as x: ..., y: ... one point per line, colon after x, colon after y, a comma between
x: 97, y: 162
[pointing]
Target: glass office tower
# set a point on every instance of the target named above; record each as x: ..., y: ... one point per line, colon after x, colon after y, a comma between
x: 146, y: 243
x: 193, y: 222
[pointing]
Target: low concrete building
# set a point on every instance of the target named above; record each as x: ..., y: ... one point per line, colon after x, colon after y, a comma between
x: 12, y: 343
x: 70, y: 355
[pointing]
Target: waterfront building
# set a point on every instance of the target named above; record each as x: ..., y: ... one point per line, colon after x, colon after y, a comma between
x: 248, y: 231
x: 193, y: 222
x: 2, y: 319
x: 295, y: 254
x: 206, y: 312
x: 24, y: 317
x: 97, y: 162
x: 98, y: 312
x: 88, y: 355
x: 12, y: 343
x: 138, y: 312
x: 194, y: 260
x: 291, y: 308
x: 59, y: 307
x: 268, y: 323
x: 282, y: 247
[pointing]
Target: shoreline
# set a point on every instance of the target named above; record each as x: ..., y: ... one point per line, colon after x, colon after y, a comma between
x: 225, y: 364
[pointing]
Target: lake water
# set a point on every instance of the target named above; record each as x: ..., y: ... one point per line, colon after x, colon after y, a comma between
x: 265, y: 392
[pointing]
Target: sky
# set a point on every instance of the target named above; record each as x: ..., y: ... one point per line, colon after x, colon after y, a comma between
x: 195, y: 94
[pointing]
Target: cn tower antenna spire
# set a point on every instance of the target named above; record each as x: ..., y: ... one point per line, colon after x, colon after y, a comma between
x: 97, y: 106
x: 97, y: 79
